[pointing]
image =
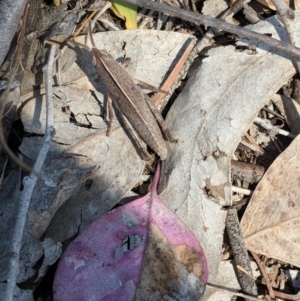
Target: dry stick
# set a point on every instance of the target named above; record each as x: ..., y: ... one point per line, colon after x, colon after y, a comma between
x: 251, y: 15
x: 253, y: 142
x: 29, y: 184
x: 265, y: 275
x: 107, y: 24
x: 146, y: 19
x: 240, y: 253
x: 159, y: 19
x: 251, y: 146
x: 207, y: 40
x: 246, y: 171
x: 3, y: 99
x: 84, y: 23
x: 100, y: 12
x: 287, y: 17
x: 208, y: 21
x: 167, y: 85
x: 243, y: 191
x: 235, y: 7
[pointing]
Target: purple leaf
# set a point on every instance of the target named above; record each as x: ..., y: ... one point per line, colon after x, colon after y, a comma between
x: 139, y: 251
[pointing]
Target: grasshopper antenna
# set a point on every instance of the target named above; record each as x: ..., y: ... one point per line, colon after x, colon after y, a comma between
x: 91, y: 36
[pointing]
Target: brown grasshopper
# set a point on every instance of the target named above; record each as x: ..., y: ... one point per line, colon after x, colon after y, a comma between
x: 132, y: 104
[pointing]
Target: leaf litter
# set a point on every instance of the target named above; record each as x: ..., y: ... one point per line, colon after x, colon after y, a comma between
x: 196, y: 180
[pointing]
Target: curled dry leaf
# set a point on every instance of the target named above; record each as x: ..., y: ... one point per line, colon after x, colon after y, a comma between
x: 209, y: 117
x: 271, y: 222
x: 139, y: 251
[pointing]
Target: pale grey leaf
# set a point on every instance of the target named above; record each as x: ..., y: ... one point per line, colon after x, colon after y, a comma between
x: 209, y: 117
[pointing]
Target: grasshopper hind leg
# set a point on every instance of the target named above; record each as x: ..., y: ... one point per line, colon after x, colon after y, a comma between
x: 164, y: 129
x: 140, y: 144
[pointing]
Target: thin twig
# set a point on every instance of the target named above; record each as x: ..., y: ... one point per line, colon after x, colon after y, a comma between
x: 167, y: 85
x: 100, y: 12
x: 264, y: 273
x: 235, y: 7
x: 108, y: 24
x: 29, y: 184
x: 208, y: 21
x: 241, y: 190
x: 146, y: 19
x: 84, y: 23
x: 253, y: 142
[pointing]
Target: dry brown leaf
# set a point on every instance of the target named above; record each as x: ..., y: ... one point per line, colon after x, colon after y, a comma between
x: 271, y: 223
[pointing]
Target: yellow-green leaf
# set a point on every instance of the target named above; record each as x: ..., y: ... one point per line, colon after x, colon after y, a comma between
x: 56, y: 2
x: 125, y: 11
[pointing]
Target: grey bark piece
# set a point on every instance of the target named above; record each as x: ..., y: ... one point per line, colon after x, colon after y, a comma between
x: 240, y: 254
x: 62, y: 176
x: 214, y: 110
